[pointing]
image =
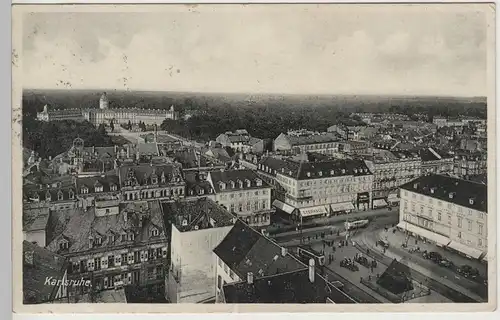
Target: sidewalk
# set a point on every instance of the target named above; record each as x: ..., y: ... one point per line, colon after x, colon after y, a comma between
x: 436, y: 273
x: 399, y: 237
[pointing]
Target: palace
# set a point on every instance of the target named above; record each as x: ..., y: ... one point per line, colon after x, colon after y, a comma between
x: 105, y: 115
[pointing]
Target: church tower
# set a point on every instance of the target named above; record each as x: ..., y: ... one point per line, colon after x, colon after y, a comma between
x: 103, y: 102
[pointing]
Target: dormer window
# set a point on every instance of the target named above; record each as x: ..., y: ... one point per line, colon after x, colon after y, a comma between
x: 48, y: 197
x: 471, y: 201
x: 258, y: 182
x: 240, y: 184
x: 85, y: 190
x: 71, y: 194
x: 452, y: 195
x: 123, y: 237
x: 210, y: 190
x: 248, y: 183
x: 98, y: 188
x: 154, y: 180
x: 98, y: 241
x: 232, y: 184
x: 222, y: 185
x: 63, y: 245
x: 201, y: 192
x: 320, y: 173
x: 433, y: 190
x: 112, y: 238
x: 163, y: 178
x: 131, y: 236
x: 60, y: 195
x: 308, y: 174
x: 113, y: 187
x: 184, y: 222
x: 155, y: 232
x: 343, y: 171
x: 290, y: 173
x: 332, y: 172
x: 355, y: 170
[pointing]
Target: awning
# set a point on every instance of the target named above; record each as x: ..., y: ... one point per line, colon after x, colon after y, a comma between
x: 485, y: 258
x: 313, y: 211
x: 471, y: 252
x: 342, y: 206
x: 439, y: 239
x: 363, y: 196
x: 379, y: 203
x: 283, y: 206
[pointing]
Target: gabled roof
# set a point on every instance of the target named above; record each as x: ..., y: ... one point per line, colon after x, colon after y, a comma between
x: 245, y: 250
x: 290, y: 287
x: 105, y: 182
x: 244, y: 176
x: 144, y: 172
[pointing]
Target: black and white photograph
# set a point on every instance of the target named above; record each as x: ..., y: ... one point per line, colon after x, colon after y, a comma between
x: 254, y: 154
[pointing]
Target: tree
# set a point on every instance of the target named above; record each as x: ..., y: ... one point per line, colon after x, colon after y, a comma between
x: 129, y: 125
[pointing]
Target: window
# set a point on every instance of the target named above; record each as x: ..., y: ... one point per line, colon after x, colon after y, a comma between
x: 480, y: 228
x: 459, y: 222
x: 219, y: 282
x: 480, y: 242
x: 469, y: 225
x: 220, y: 261
x: 460, y: 234
x: 155, y: 232
x: 240, y: 207
x: 59, y: 195
x: 226, y: 268
x: 124, y: 257
x: 63, y: 245
x: 263, y: 204
x: 232, y: 207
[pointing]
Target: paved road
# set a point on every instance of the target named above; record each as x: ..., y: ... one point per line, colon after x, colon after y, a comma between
x: 438, y: 279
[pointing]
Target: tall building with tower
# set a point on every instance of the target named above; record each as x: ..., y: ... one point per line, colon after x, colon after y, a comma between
x: 103, y: 102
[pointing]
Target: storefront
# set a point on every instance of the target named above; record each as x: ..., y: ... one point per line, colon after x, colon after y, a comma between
x: 364, y: 201
x: 313, y: 212
x: 465, y: 250
x: 341, y: 208
x: 422, y: 233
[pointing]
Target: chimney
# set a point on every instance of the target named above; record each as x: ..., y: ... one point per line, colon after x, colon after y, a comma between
x: 283, y: 251
x: 311, y: 270
x: 250, y: 278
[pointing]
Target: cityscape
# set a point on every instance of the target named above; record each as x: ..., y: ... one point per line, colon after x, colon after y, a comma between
x: 178, y: 196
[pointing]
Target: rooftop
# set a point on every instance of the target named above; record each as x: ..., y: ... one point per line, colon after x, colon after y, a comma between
x: 242, y: 179
x: 145, y: 174
x: 245, y: 250
x: 196, y: 214
x: 314, y: 138
x: 290, y: 287
x: 38, y: 264
x: 458, y: 191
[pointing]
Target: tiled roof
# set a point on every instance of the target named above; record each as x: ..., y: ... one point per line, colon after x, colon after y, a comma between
x: 196, y: 214
x: 143, y: 174
x: 196, y: 186
x: 316, y: 170
x: 242, y: 179
x: 290, y: 287
x: 313, y: 139
x: 440, y: 187
x: 147, y: 148
x: 30, y: 215
x: 245, y: 250
x: 38, y: 223
x: 100, y: 152
x: 92, y: 182
x: 85, y: 224
x: 38, y: 264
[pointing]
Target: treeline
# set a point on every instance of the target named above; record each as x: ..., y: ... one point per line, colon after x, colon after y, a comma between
x: 49, y: 139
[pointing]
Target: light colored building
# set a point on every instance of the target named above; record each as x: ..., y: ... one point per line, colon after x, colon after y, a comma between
x: 241, y: 141
x: 435, y: 161
x: 35, y: 222
x: 447, y: 211
x: 243, y: 193
x: 114, y: 250
x: 470, y: 163
x: 59, y: 114
x: 302, y: 141
x: 315, y: 189
x: 198, y: 226
x: 390, y: 171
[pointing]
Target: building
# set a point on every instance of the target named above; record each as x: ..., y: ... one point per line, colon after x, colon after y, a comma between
x: 39, y: 265
x: 105, y: 115
x: 302, y: 141
x: 323, y: 188
x: 470, y: 163
x: 197, y: 185
x: 251, y: 268
x: 53, y: 193
x: 197, y: 227
x: 35, y: 225
x: 103, y: 192
x: 447, y: 211
x: 243, y: 193
x: 115, y: 250
x: 436, y: 161
x: 148, y: 182
x: 59, y: 115
x: 241, y: 141
x: 390, y: 171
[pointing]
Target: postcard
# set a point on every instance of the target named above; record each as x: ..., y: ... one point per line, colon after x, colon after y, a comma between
x: 243, y: 158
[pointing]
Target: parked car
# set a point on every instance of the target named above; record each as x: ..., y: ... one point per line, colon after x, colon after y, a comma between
x: 468, y: 271
x: 446, y: 263
x: 383, y: 243
x: 433, y: 256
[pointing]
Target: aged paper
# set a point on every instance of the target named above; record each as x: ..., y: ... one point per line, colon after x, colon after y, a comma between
x: 142, y: 122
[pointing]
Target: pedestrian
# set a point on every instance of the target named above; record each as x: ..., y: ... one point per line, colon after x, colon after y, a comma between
x: 371, y: 268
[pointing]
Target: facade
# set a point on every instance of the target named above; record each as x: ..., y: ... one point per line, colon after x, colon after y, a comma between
x: 436, y: 162
x: 103, y: 192
x: 241, y: 141
x: 447, y: 211
x: 115, y: 250
x: 320, y: 188
x: 105, y: 115
x: 243, y: 193
x: 38, y: 265
x: 148, y: 182
x: 390, y: 171
x: 55, y: 194
x: 470, y: 163
x: 303, y: 141
x: 197, y: 227
x: 35, y: 225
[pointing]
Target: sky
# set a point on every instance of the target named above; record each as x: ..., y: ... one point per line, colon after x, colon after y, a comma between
x: 311, y: 49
